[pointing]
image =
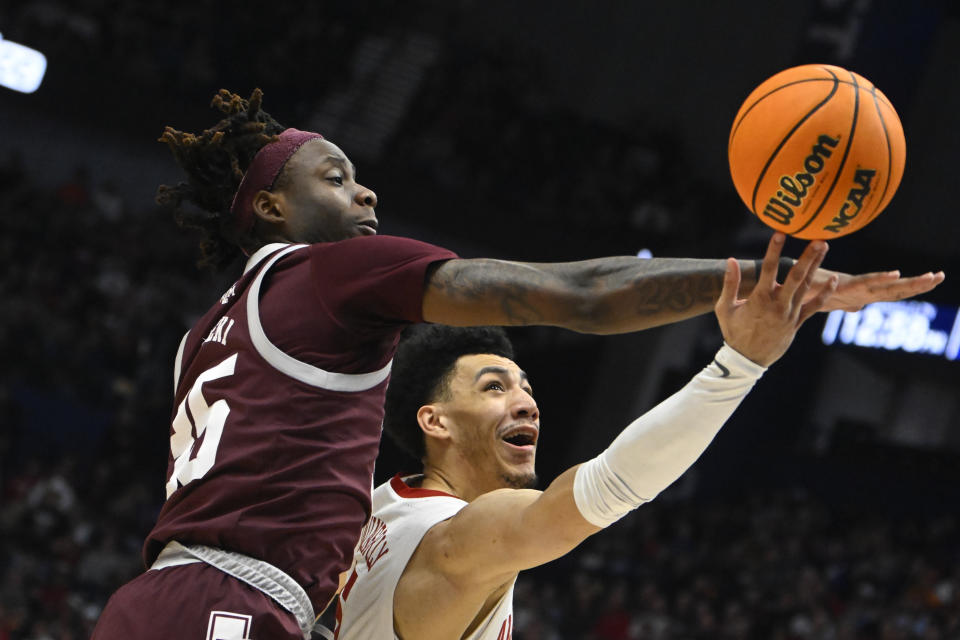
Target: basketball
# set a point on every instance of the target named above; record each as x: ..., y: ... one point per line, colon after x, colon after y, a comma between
x: 816, y: 151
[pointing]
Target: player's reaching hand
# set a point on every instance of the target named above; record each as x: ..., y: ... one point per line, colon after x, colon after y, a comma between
x: 855, y: 292
x: 762, y: 326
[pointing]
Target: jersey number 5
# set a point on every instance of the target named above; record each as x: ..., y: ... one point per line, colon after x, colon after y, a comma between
x: 208, y: 421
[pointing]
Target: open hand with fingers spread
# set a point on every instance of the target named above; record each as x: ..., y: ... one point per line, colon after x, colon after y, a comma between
x: 762, y: 326
x: 854, y: 292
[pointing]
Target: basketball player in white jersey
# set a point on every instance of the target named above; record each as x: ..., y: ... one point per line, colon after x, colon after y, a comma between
x: 439, y: 556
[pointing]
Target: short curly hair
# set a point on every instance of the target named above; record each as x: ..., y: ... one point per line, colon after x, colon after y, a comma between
x: 422, y: 370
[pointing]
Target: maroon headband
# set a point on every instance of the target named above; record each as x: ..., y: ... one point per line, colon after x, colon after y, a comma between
x: 262, y: 174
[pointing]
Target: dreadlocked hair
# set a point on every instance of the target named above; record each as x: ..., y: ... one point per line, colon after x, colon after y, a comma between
x: 215, y: 161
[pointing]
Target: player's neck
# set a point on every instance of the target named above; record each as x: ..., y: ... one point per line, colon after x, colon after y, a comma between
x: 438, y: 479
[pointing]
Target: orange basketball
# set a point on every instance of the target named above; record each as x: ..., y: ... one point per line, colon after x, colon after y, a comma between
x: 816, y: 151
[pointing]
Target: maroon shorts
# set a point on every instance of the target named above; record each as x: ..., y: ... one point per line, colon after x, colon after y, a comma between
x: 193, y: 602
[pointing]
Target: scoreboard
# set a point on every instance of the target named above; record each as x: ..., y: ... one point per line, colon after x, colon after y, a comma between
x: 910, y: 326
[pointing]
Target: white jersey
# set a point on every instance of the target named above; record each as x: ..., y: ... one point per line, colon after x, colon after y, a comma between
x: 401, y: 516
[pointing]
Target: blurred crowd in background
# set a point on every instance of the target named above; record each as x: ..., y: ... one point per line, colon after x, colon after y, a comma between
x: 778, y: 565
x: 97, y: 291
x: 361, y: 74
x: 86, y: 333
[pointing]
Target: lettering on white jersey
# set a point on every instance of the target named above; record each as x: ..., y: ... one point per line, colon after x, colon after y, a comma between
x: 373, y: 541
x: 506, y: 629
x: 220, y: 331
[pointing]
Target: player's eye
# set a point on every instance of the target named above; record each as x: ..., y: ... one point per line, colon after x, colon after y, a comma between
x: 338, y: 180
x: 493, y: 386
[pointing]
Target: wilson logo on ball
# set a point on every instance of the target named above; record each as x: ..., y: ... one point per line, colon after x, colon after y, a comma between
x: 816, y: 151
x: 795, y: 188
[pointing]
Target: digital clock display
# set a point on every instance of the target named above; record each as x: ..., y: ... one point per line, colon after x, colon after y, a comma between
x: 914, y: 327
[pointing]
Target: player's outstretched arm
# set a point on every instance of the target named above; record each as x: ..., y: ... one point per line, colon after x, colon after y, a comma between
x: 622, y: 294
x: 463, y: 561
x: 602, y: 296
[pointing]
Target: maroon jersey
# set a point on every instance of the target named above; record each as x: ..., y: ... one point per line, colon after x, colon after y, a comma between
x: 279, y: 404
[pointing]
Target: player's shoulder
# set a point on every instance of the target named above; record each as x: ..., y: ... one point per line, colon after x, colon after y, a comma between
x: 367, y: 242
x: 378, y: 245
x: 404, y: 514
x: 500, y: 501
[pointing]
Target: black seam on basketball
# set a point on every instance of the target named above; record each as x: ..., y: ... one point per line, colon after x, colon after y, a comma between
x: 736, y: 125
x: 883, y: 98
x: 756, y: 186
x: 764, y: 97
x: 886, y: 185
x: 835, y: 80
x: 843, y: 161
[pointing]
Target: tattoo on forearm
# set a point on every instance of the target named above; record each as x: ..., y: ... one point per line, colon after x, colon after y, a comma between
x: 597, y: 296
x: 676, y: 293
x: 493, y: 284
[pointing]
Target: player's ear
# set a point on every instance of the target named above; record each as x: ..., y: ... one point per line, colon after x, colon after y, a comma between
x: 432, y: 423
x: 268, y: 206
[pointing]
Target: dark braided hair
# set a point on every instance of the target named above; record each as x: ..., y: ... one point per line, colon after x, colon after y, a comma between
x: 215, y: 162
x: 423, y: 368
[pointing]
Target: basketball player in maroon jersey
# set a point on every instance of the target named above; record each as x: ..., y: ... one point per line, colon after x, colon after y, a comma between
x: 279, y: 386
x: 440, y: 554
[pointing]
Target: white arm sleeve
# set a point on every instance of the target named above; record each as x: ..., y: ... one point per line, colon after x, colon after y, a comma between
x: 659, y: 446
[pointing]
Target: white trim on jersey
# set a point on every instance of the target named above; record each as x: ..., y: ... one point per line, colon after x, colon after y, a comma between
x: 178, y: 362
x: 287, y: 364
x: 262, y: 253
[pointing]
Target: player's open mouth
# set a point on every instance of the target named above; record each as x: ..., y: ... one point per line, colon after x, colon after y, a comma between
x: 521, y: 436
